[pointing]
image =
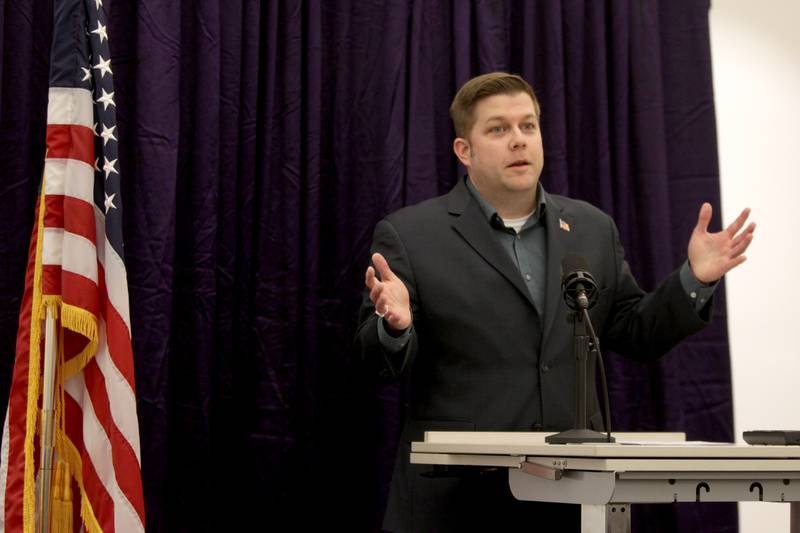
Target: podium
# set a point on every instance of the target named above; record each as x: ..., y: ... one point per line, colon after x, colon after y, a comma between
x: 606, y: 478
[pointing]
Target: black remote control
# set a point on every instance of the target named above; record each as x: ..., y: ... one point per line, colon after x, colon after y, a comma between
x: 773, y: 438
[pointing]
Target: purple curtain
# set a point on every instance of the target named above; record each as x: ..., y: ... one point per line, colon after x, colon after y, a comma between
x: 260, y: 142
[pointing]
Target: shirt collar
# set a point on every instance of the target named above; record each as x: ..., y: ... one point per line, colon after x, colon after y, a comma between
x: 489, y: 212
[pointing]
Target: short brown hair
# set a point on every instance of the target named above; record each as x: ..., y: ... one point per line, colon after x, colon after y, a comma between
x: 484, y: 86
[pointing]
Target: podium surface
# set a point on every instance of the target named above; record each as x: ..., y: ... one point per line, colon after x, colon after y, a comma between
x: 604, y: 478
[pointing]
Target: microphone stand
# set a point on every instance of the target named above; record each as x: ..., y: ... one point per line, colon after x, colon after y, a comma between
x: 584, y: 344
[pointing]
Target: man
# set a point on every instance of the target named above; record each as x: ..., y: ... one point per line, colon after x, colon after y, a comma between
x: 463, y: 300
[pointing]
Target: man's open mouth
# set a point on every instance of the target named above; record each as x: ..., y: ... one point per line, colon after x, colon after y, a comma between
x: 520, y: 163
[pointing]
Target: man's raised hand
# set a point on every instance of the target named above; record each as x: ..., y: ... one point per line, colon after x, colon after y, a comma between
x: 712, y: 255
x: 389, y: 294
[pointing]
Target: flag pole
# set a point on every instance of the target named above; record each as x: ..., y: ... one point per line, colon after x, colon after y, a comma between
x: 46, y: 469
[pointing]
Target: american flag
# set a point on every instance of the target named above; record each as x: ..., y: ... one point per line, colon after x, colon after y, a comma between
x: 76, y: 267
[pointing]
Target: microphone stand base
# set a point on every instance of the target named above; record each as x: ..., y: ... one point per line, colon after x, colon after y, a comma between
x: 577, y: 436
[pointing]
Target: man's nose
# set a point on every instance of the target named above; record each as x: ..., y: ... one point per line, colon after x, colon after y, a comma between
x: 517, y: 139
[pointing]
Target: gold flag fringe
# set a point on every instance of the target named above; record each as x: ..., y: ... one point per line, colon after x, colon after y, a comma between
x: 61, y: 517
x: 84, y: 322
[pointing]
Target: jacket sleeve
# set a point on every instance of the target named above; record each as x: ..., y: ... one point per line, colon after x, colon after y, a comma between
x: 388, y: 243
x: 647, y: 325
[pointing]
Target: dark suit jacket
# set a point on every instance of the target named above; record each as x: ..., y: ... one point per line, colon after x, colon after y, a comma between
x: 481, y: 357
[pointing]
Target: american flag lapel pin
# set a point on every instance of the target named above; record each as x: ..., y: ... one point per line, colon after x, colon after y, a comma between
x: 563, y: 225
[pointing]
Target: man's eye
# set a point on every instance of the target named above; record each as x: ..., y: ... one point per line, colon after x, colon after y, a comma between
x: 529, y: 126
x: 497, y: 129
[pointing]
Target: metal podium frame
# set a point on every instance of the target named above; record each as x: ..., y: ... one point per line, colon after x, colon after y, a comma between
x: 605, y: 478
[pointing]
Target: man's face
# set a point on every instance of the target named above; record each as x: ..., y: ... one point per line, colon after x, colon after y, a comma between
x: 504, y: 154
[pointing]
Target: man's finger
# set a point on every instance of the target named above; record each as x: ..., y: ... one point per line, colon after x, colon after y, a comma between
x: 704, y: 217
x: 748, y: 232
x: 369, y: 278
x: 749, y: 229
x: 736, y: 262
x: 737, y: 224
x: 382, y: 266
x: 740, y: 247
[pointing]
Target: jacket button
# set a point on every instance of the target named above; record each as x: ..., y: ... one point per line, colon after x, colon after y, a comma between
x: 545, y: 367
x: 536, y: 427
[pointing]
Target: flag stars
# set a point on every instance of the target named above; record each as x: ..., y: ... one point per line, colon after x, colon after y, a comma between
x: 98, y: 4
x: 103, y: 65
x: 108, y: 167
x: 87, y: 74
x: 96, y: 166
x: 106, y: 99
x: 101, y: 32
x: 108, y: 134
x: 109, y: 203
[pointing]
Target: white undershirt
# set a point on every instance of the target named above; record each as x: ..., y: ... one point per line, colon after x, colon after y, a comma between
x: 516, y: 223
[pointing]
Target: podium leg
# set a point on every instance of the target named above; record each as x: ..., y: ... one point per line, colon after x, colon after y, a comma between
x: 610, y: 518
x: 618, y: 518
x: 593, y: 518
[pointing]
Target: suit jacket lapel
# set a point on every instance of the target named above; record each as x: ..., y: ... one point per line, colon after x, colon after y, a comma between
x: 560, y: 228
x: 472, y: 225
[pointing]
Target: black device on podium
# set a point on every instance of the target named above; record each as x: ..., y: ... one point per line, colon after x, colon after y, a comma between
x: 580, y: 294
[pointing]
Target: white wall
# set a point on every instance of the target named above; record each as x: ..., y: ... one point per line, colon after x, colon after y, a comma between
x: 756, y: 61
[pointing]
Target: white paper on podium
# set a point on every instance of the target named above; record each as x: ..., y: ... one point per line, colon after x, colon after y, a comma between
x: 672, y: 443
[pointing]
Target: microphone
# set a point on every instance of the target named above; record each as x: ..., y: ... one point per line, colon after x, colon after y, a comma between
x: 577, y: 285
x: 580, y: 294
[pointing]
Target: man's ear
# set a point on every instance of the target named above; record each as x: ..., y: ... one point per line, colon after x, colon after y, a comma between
x: 462, y: 150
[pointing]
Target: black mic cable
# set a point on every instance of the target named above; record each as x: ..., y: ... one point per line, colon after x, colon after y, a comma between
x: 596, y: 346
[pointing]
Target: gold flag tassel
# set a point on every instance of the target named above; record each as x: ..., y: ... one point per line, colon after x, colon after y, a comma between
x: 62, y: 506
x: 61, y: 516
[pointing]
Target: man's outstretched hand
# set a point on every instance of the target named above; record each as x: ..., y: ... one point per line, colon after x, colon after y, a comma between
x: 712, y: 255
x: 389, y: 294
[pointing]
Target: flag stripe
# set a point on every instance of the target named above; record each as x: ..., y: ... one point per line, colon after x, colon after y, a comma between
x: 100, y: 450
x: 75, y: 253
x: 119, y: 346
x: 54, y: 211
x: 76, y: 290
x: 80, y: 292
x: 70, y: 178
x: 75, y: 416
x: 80, y: 256
x: 70, y: 105
x: 51, y: 279
x: 123, y: 398
x: 81, y: 221
x: 71, y: 142
x: 51, y: 250
x: 115, y: 275
x: 123, y: 457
